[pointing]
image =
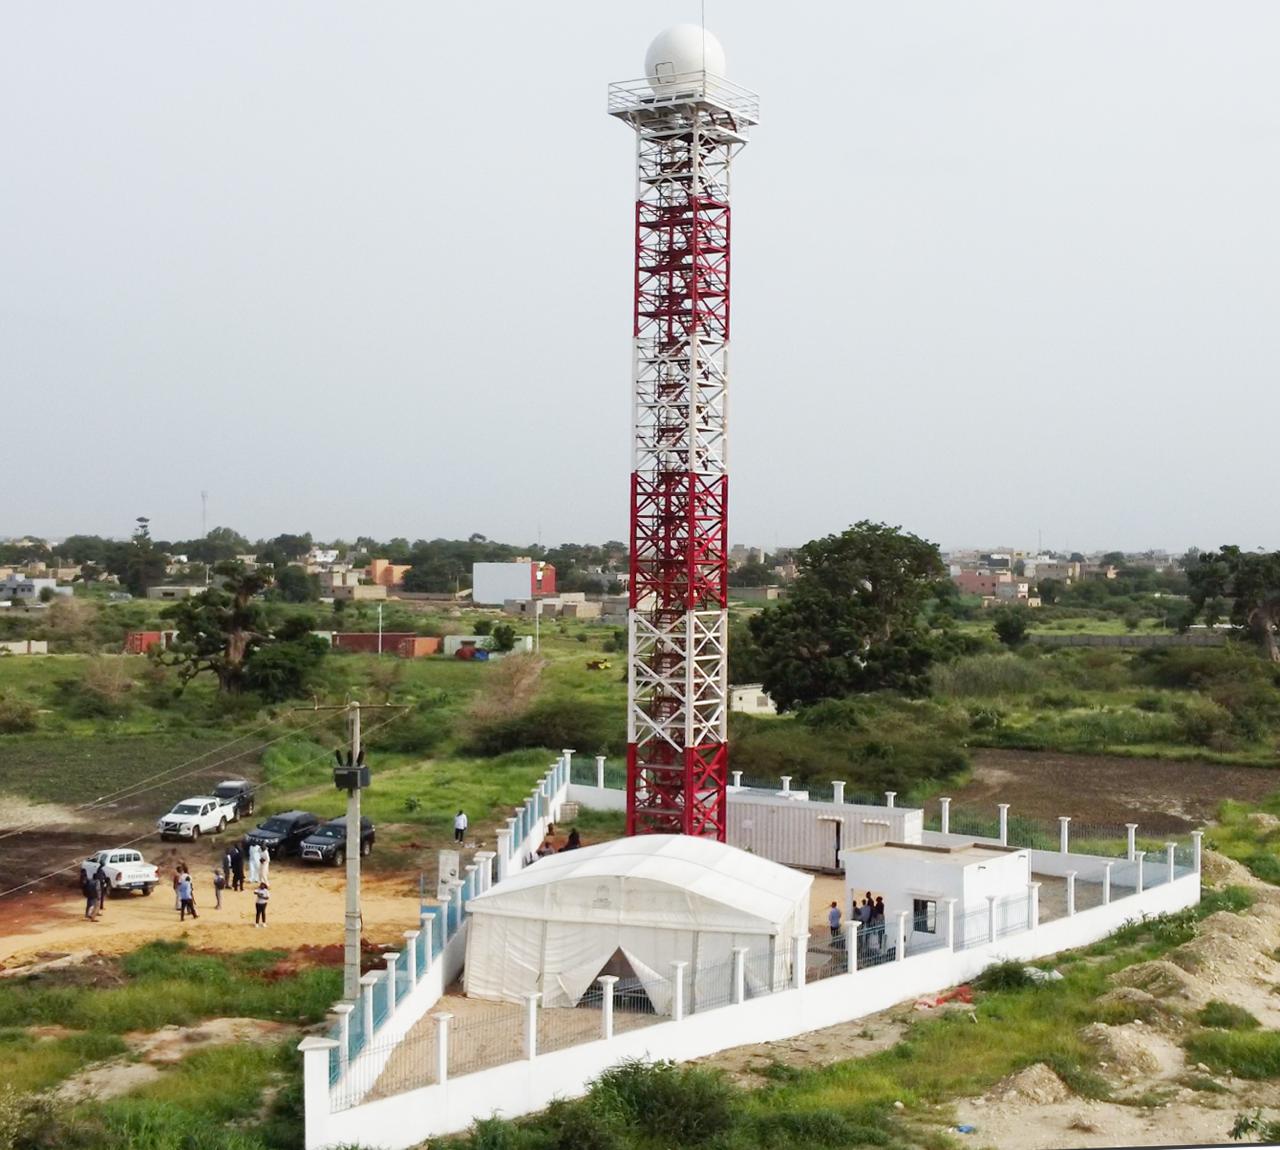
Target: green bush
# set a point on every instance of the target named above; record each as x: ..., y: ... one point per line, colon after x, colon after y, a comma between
x: 1202, y: 721
x: 984, y: 676
x: 593, y: 726
x: 1244, y: 1053
x: 1005, y: 976
x: 679, y: 1105
x: 1227, y: 1016
x: 17, y: 717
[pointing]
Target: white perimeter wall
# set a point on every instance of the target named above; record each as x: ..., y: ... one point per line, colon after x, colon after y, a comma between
x: 528, y: 1085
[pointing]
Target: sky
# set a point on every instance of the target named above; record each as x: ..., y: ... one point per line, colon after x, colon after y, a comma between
x: 1004, y: 272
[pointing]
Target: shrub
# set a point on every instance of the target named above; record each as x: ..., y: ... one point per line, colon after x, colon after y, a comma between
x: 17, y: 716
x: 1244, y: 1053
x: 1227, y: 1016
x: 680, y: 1105
x: 1202, y: 721
x: 418, y: 733
x: 984, y: 676
x: 1004, y: 976
x: 594, y: 727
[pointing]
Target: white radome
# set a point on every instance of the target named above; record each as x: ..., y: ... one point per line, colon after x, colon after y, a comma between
x: 680, y: 50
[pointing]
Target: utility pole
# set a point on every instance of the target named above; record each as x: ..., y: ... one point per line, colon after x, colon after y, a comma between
x: 352, y: 775
x: 379, y: 630
x: 351, y: 917
x: 537, y: 617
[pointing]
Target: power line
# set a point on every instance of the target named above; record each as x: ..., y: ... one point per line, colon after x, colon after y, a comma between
x: 140, y: 787
x: 148, y: 834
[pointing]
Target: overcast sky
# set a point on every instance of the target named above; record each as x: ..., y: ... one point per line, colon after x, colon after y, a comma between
x: 1000, y: 269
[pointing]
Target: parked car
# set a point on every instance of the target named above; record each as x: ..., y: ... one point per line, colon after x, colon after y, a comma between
x: 192, y: 818
x: 125, y: 870
x: 282, y: 834
x: 239, y: 792
x: 329, y: 842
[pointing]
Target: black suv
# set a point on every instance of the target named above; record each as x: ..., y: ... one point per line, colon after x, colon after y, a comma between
x: 329, y: 842
x: 283, y: 833
x: 239, y: 791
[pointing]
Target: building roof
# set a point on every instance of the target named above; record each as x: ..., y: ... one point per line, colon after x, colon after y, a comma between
x: 961, y: 854
x: 672, y: 881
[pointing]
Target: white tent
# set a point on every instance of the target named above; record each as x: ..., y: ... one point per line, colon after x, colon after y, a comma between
x: 555, y: 926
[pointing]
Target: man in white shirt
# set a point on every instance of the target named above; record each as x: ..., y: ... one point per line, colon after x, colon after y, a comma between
x: 459, y: 826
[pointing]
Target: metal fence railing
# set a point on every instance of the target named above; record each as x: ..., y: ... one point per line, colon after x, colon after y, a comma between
x: 389, y: 1068
x: 483, y: 1040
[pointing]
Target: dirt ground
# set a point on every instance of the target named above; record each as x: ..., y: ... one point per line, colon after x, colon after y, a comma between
x: 1163, y: 797
x: 306, y: 910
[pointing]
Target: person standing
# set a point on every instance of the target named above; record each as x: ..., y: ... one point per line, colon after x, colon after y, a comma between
x: 103, y: 884
x: 254, y: 858
x: 260, y: 897
x: 226, y: 867
x: 264, y: 865
x: 218, y: 883
x: 237, y: 868
x: 833, y: 921
x: 459, y: 826
x: 186, y: 897
x: 177, y: 878
x: 89, y: 889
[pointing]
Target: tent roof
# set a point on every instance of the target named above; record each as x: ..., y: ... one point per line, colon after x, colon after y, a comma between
x: 702, y: 870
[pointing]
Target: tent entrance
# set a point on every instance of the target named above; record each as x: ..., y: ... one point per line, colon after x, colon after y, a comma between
x: 629, y: 991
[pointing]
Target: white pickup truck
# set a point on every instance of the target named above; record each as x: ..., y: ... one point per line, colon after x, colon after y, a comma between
x: 191, y: 818
x: 125, y: 870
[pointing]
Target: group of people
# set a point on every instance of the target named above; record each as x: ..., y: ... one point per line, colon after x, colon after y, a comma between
x: 548, y: 846
x: 869, y: 913
x: 230, y: 875
x: 94, y: 887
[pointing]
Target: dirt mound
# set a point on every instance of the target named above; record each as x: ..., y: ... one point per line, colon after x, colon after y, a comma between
x: 1232, y: 948
x: 1218, y: 870
x: 174, y: 1043
x: 1130, y: 1002
x: 1036, y: 1083
x: 1161, y: 979
x: 1124, y: 1050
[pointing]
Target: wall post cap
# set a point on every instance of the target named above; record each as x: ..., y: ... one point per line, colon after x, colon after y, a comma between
x: 315, y: 1042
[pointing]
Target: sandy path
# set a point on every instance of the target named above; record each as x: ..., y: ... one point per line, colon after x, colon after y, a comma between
x: 306, y: 910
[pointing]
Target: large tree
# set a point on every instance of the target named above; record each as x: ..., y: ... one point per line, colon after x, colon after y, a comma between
x: 853, y: 619
x: 219, y: 629
x: 1250, y: 581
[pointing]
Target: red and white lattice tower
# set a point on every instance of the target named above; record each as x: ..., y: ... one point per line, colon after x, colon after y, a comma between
x: 689, y: 124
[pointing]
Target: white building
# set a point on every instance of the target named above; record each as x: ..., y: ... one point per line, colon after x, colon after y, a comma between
x: 921, y: 879
x: 751, y: 699
x: 19, y: 587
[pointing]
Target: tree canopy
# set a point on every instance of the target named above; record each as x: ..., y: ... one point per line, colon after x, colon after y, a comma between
x: 1249, y: 581
x: 852, y: 621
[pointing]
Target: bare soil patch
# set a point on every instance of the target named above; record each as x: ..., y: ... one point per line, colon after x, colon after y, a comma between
x: 1162, y: 796
x: 306, y: 913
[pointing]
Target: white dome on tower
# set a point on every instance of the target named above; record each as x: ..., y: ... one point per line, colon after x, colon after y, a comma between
x: 680, y: 50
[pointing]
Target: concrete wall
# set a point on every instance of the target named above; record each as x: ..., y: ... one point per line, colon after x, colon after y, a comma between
x: 24, y: 647
x: 524, y: 1086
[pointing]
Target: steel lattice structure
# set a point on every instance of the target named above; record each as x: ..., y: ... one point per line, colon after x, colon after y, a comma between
x: 688, y: 130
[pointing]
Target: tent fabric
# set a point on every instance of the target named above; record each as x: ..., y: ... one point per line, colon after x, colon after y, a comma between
x: 552, y: 927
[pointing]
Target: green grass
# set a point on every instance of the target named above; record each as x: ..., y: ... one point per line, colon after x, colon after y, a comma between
x: 1242, y: 838
x: 1244, y: 1053
x: 167, y: 983
x: 1226, y: 1016
x: 32, y: 1064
